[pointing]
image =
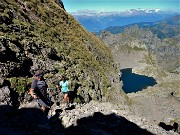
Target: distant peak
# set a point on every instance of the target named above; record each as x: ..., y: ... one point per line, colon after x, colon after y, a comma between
x: 130, y: 12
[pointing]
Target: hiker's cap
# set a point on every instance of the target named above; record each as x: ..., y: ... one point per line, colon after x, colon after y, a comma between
x: 39, y: 73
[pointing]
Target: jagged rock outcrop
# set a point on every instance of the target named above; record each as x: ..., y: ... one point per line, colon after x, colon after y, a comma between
x: 60, y: 3
x: 106, y: 118
x: 5, y: 96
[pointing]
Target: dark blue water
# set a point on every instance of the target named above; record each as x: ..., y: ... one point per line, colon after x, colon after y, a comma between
x: 133, y: 82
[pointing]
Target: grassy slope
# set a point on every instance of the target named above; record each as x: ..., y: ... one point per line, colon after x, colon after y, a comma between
x: 44, y: 22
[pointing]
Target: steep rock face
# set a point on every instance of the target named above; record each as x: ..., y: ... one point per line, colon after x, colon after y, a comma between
x: 60, y: 3
x: 127, y: 51
x: 40, y: 34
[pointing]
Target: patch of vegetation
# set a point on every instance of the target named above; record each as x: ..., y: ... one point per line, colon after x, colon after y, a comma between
x: 20, y: 85
x: 148, y: 59
x: 127, y: 48
x: 173, y: 84
x: 127, y: 99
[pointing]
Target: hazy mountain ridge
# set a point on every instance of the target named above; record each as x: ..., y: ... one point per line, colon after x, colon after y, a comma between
x: 95, y: 21
x: 164, y: 28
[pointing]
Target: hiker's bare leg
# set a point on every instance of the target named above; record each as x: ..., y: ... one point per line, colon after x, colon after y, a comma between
x: 66, y: 98
x: 43, y: 108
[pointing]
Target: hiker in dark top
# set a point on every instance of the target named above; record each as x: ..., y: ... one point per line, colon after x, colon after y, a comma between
x: 38, y: 91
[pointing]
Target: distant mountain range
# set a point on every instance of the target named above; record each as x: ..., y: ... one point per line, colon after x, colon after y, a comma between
x: 95, y: 21
x: 167, y: 28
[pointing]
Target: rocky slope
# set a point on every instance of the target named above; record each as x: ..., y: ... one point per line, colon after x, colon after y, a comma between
x: 40, y: 34
x: 163, y: 99
x: 93, y: 118
x: 151, y: 50
x: 127, y: 51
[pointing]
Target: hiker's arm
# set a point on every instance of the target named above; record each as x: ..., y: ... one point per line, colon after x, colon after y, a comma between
x: 48, y: 90
x: 60, y: 86
x: 31, y: 92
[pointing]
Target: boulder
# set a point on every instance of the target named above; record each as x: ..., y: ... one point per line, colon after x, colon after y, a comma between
x: 5, y: 98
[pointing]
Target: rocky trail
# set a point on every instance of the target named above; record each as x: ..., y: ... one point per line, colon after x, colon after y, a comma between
x: 156, y: 106
x: 141, y: 117
x: 93, y: 118
x: 109, y: 119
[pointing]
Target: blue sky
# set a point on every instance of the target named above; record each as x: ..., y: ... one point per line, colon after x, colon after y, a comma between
x: 119, y: 5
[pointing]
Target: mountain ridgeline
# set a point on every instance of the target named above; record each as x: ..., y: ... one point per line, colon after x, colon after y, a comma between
x: 163, y: 29
x: 160, y: 40
x: 40, y: 34
x: 95, y: 21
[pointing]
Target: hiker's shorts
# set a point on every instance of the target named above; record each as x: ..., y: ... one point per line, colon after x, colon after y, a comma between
x: 65, y: 93
x: 41, y: 102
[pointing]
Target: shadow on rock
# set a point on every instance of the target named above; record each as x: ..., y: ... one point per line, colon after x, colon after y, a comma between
x: 100, y: 124
x: 24, y: 121
x: 33, y: 121
x: 174, y: 127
